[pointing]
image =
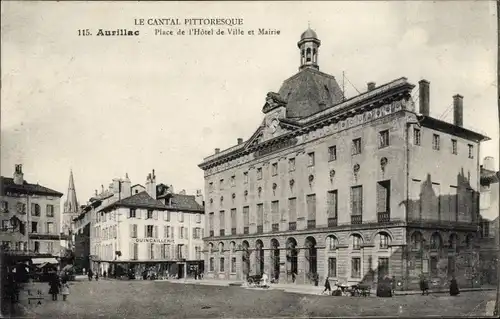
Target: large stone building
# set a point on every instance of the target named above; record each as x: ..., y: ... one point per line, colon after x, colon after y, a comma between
x: 37, y: 210
x: 142, y: 227
x: 349, y: 189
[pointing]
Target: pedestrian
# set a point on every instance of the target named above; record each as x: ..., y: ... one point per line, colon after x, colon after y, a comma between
x: 104, y: 274
x: 97, y: 276
x: 327, y: 286
x: 90, y: 274
x: 424, y: 286
x: 54, y: 286
x: 64, y: 289
x: 454, y: 291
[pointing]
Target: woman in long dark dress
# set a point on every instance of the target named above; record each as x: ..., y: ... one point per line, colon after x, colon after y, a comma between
x: 454, y: 291
x: 54, y: 286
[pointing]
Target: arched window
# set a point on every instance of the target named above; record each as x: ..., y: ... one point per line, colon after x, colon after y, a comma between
x: 435, y: 241
x: 232, y: 247
x: 221, y: 248
x: 210, y: 248
x: 308, y: 55
x: 416, y: 241
x: 384, y: 240
x: 356, y: 242
x: 453, y: 242
x: 331, y: 242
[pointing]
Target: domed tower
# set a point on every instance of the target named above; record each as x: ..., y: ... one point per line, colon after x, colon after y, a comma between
x: 309, y: 45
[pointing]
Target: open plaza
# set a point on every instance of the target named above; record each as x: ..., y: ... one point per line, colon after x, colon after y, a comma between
x: 210, y: 299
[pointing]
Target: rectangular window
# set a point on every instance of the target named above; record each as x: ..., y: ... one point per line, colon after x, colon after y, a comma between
x: 149, y: 231
x: 210, y: 186
x: 311, y: 159
x: 332, y: 267
x: 5, y: 207
x: 198, y: 218
x: 50, y: 247
x: 416, y: 136
x: 383, y: 139
x: 34, y: 227
x: 37, y: 247
x: 245, y: 177
x: 292, y: 210
x: 180, y: 216
x: 151, y: 251
x: 291, y: 164
x: 197, y: 253
x: 274, y: 169
x: 233, y: 221
x: 259, y: 173
x: 332, y: 153
x: 35, y: 210
x: 211, y: 264
x: 135, y: 251
x: 211, y: 223
x: 357, y: 200
x: 133, y: 231
x: 434, y: 266
x: 383, y: 201
x: 221, y: 264
x: 221, y: 184
x: 167, y: 213
x: 311, y: 210
x: 331, y: 203
x: 260, y: 216
x: 435, y: 142
x: 246, y: 219
x: 233, y: 265
x: 149, y: 214
x: 233, y: 180
x: 21, y: 208
x: 131, y: 213
x: 356, y: 267
x: 471, y: 150
x: 356, y: 242
x: 275, y: 215
x: 383, y: 267
x: 454, y: 147
x: 356, y: 146
x: 384, y: 241
x: 50, y: 228
x: 50, y: 210
x: 222, y: 223
x: 181, y: 232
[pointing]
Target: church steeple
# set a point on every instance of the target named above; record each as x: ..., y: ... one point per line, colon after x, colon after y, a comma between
x: 309, y: 45
x: 71, y: 203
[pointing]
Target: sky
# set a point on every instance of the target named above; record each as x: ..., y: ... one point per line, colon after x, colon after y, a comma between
x: 103, y: 107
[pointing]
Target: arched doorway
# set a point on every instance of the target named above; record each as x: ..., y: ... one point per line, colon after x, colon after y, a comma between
x: 311, y: 254
x: 275, y: 259
x: 259, y: 256
x: 291, y: 258
x: 245, y: 258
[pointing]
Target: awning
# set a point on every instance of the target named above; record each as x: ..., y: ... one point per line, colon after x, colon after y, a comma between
x: 38, y: 261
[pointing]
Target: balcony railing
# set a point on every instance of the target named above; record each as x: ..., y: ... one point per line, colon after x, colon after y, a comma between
x: 245, y: 230
x: 211, y: 233
x: 221, y: 232
x: 383, y: 217
x: 311, y: 224
x: 332, y: 222
x: 233, y: 231
x: 260, y: 229
x: 292, y: 226
x: 276, y: 227
x: 356, y: 219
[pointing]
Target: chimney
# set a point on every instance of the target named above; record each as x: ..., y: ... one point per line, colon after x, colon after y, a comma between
x: 217, y: 150
x: 240, y: 140
x: 199, y: 197
x: 458, y: 110
x: 18, y: 174
x: 371, y: 86
x: 489, y: 163
x: 151, y: 185
x: 424, y: 94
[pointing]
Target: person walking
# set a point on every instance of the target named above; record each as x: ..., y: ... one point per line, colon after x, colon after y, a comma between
x: 97, y: 276
x: 90, y: 274
x: 327, y: 286
x: 104, y: 274
x: 54, y: 286
x: 64, y: 289
x: 454, y: 291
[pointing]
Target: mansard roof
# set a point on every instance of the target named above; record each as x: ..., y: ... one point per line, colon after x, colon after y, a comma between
x: 308, y: 92
x: 139, y: 200
x: 181, y: 202
x: 26, y: 188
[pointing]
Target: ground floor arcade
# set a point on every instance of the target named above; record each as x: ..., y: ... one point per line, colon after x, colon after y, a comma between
x: 364, y: 255
x: 163, y: 268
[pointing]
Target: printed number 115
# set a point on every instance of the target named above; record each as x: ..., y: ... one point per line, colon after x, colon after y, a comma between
x: 84, y: 32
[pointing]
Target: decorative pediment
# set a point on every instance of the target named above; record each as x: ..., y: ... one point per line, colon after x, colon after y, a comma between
x: 273, y: 101
x: 256, y: 138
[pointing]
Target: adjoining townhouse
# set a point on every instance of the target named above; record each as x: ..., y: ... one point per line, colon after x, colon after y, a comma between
x: 138, y: 228
x: 347, y: 189
x: 36, y: 210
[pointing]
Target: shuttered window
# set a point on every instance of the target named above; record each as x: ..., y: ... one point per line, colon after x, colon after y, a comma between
x: 292, y: 210
x: 311, y: 207
x: 357, y: 200
x: 331, y: 203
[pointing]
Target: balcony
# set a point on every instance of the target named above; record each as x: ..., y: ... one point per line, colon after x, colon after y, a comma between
x: 292, y: 226
x: 311, y: 224
x: 356, y: 219
x: 245, y: 230
x: 260, y: 229
x: 221, y: 232
x: 276, y: 227
x: 211, y: 233
x: 233, y: 231
x: 332, y: 222
x: 383, y: 217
